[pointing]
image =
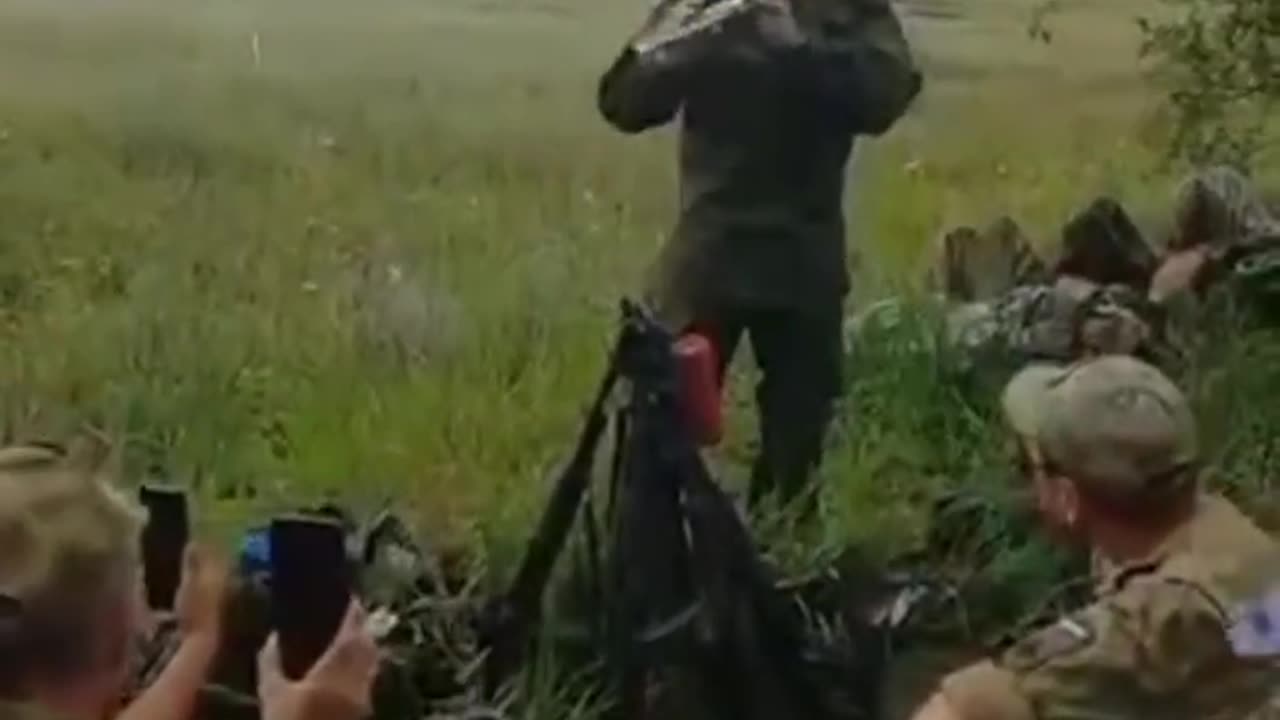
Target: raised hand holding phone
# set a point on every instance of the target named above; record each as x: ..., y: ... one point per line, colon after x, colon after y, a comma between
x: 202, y: 595
x: 190, y: 582
x: 310, y: 588
x: 164, y: 542
x: 339, y: 686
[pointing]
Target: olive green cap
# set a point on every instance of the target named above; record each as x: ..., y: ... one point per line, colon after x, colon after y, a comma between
x: 1112, y: 423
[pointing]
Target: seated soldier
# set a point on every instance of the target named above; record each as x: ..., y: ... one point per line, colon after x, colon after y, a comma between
x: 71, y: 607
x: 1182, y: 625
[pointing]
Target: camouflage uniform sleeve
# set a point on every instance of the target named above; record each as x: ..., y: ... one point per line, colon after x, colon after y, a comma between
x: 1154, y: 645
x: 635, y: 95
x: 858, y: 65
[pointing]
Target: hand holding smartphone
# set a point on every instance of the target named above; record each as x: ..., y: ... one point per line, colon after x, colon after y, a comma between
x: 164, y: 541
x: 310, y: 588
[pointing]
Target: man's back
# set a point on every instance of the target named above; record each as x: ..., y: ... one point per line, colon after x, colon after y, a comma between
x: 766, y: 134
x: 762, y: 181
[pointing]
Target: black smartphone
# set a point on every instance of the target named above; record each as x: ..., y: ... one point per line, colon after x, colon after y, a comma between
x: 164, y: 540
x: 310, y: 588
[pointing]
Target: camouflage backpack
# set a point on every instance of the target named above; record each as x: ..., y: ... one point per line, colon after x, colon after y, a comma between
x: 1058, y: 322
x: 1095, y: 304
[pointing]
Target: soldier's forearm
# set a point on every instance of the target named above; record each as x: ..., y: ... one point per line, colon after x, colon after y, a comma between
x: 641, y: 92
x: 174, y: 694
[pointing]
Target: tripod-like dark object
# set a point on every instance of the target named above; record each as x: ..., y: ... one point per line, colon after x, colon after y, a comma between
x: 684, y: 614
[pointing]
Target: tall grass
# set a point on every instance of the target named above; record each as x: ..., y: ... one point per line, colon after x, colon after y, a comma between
x: 372, y: 251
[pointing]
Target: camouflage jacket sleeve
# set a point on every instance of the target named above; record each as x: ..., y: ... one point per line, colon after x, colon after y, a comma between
x: 1155, y: 650
x: 857, y: 65
x: 635, y: 95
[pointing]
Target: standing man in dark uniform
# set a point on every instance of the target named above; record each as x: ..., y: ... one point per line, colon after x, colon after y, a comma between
x: 770, y: 103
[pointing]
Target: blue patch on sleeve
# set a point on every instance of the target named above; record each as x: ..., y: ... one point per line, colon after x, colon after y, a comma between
x: 255, y: 552
x: 1256, y: 630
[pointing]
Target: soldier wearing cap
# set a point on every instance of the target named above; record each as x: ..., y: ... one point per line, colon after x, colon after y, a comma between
x: 1186, y: 622
x: 71, y: 608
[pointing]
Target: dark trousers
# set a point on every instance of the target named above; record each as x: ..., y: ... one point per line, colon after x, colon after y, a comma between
x: 800, y: 356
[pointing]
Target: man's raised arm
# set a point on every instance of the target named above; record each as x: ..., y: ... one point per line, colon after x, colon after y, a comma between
x: 858, y: 65
x: 642, y: 90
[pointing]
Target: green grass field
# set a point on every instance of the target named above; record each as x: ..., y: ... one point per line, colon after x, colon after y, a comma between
x: 288, y: 249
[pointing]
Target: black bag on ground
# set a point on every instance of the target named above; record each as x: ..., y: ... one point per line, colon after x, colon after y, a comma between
x: 682, y: 614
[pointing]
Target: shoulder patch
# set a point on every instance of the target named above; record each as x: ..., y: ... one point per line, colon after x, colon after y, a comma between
x: 1066, y: 636
x: 1255, y: 627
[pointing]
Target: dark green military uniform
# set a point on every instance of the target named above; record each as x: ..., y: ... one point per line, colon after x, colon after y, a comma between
x: 759, y: 248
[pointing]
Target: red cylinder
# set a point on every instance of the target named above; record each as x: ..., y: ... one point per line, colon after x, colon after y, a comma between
x: 700, y: 387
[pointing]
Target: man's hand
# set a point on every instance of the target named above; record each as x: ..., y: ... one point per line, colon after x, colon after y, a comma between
x: 198, y: 608
x: 338, y: 687
x: 1179, y: 273
x: 202, y: 595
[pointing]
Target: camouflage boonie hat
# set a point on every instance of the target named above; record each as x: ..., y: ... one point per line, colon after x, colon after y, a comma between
x: 1113, y: 424
x: 63, y: 530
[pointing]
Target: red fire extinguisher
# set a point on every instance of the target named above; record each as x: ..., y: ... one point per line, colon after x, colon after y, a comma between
x: 700, y: 387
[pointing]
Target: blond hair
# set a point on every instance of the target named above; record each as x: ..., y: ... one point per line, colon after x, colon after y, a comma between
x: 69, y: 545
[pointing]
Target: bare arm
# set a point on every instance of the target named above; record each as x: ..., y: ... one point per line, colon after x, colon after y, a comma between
x: 642, y: 90
x: 199, y: 608
x: 174, y: 694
